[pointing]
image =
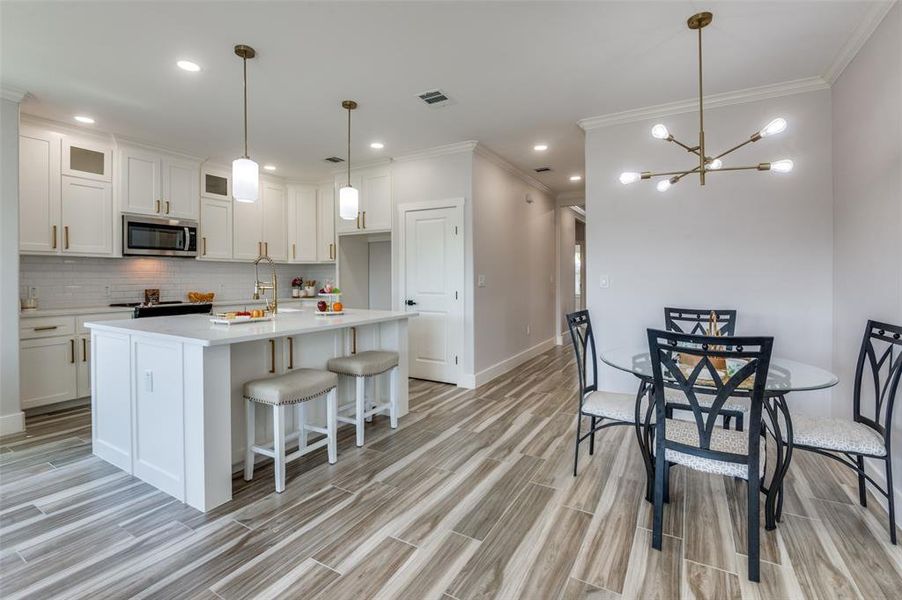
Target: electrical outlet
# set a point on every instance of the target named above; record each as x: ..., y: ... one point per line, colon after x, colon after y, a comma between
x: 106, y: 290
x: 148, y: 381
x: 605, y: 282
x: 480, y: 281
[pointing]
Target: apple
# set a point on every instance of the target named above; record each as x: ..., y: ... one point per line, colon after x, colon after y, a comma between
x: 321, y: 306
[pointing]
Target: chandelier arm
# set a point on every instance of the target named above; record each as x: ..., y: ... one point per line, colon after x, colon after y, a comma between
x: 693, y: 149
x: 734, y: 148
x: 759, y: 167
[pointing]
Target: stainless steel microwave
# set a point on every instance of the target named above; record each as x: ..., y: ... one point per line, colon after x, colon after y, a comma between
x: 149, y: 236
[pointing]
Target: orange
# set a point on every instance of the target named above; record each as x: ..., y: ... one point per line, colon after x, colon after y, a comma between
x: 337, y: 307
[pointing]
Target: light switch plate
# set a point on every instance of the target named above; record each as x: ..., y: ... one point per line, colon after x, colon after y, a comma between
x: 148, y: 381
x: 605, y: 282
x: 480, y: 281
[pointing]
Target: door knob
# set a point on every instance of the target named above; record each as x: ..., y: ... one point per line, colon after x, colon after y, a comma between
x: 410, y: 302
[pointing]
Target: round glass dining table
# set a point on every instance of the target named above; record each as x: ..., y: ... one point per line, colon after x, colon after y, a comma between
x: 783, y: 376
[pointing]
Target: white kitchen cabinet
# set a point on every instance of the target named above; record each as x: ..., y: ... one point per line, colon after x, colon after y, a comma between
x: 302, y: 223
x: 87, y: 159
x: 374, y: 201
x: 215, y: 230
x: 39, y: 190
x: 153, y: 183
x: 215, y: 183
x: 325, y: 223
x: 247, y: 230
x: 275, y: 226
x: 86, y: 216
x: 47, y: 371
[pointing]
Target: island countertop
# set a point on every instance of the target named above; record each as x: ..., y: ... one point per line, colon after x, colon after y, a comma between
x: 197, y: 329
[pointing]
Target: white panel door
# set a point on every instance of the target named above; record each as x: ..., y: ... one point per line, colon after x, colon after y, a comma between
x: 47, y: 370
x: 247, y: 230
x: 376, y: 208
x: 39, y: 191
x: 433, y: 281
x: 275, y: 226
x: 302, y: 223
x: 325, y: 223
x: 215, y: 230
x: 87, y: 216
x: 181, y: 188
x: 140, y: 186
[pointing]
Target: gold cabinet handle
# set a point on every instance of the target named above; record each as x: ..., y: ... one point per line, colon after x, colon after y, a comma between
x: 72, y: 351
x: 272, y: 355
x: 353, y: 340
x: 157, y: 206
x: 53, y: 241
x: 204, y: 240
x: 47, y: 328
x: 84, y: 350
x: 364, y: 219
x: 259, y: 248
x: 66, y: 237
x: 290, y: 352
x: 167, y: 207
x: 266, y: 248
x: 358, y: 220
x: 331, y: 251
x: 294, y: 251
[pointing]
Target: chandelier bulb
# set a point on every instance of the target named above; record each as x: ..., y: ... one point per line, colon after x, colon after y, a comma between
x: 629, y: 177
x: 776, y: 126
x: 663, y: 185
x: 715, y: 164
x: 781, y: 166
x: 660, y: 132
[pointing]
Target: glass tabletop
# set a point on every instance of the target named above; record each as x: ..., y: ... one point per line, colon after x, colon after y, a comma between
x: 783, y: 376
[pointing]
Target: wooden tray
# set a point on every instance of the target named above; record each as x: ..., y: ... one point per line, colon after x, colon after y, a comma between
x: 238, y: 320
x: 328, y: 313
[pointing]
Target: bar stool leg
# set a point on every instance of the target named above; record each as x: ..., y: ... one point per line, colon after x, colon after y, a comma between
x: 278, y: 428
x: 360, y: 407
x: 332, y: 424
x: 250, y: 437
x: 302, y: 421
x: 393, y: 397
x: 370, y: 396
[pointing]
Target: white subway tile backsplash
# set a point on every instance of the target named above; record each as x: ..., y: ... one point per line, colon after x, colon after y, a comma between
x: 75, y: 282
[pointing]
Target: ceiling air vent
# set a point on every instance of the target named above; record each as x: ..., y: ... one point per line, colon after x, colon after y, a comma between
x: 334, y: 159
x: 435, y: 98
x: 542, y: 170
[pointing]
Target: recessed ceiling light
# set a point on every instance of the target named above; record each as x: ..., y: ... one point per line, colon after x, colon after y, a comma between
x: 82, y: 119
x: 576, y: 178
x: 377, y: 145
x: 187, y: 65
x: 269, y: 167
x: 540, y: 147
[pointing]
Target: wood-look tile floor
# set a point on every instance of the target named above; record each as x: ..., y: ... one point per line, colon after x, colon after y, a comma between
x: 472, y: 497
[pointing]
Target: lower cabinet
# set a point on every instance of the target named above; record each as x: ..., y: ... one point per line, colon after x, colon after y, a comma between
x: 48, y: 370
x: 83, y: 366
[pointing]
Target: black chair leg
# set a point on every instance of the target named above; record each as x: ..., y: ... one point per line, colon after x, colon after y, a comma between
x: 579, y: 424
x: 657, y: 535
x: 667, y: 466
x: 862, y: 490
x: 753, y: 530
x: 891, y: 500
x: 592, y: 439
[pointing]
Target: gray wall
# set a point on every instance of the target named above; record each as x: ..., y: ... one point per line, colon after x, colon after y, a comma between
x: 11, y: 418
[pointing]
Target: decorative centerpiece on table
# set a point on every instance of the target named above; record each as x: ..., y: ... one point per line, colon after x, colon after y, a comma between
x: 718, y: 362
x: 297, y: 285
x: 330, y: 301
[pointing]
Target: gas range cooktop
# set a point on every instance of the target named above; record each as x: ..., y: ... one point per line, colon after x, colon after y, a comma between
x: 167, y: 308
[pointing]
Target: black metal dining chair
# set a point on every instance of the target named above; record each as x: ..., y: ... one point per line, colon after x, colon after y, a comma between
x: 604, y: 409
x: 698, y: 444
x: 867, y: 435
x: 696, y: 321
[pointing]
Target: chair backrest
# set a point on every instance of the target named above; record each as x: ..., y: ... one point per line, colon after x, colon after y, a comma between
x: 685, y: 362
x: 881, y: 350
x: 584, y: 347
x: 695, y: 320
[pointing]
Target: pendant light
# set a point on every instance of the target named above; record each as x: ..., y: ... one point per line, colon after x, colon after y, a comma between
x: 348, y: 197
x: 245, y: 172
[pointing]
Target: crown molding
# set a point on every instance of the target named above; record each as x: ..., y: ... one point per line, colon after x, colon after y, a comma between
x: 85, y: 132
x: 571, y: 197
x: 495, y: 159
x: 764, y: 92
x: 468, y: 146
x: 130, y: 141
x: 873, y: 16
x: 379, y: 162
x: 12, y: 94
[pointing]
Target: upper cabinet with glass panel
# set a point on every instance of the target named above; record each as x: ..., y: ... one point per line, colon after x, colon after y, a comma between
x: 89, y: 160
x: 215, y: 183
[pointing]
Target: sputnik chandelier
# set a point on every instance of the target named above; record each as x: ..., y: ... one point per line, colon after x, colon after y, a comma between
x: 707, y: 164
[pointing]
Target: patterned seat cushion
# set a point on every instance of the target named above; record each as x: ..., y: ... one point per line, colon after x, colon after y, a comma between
x: 612, y: 405
x: 837, y: 434
x: 724, y: 440
x: 364, y: 364
x: 296, y: 386
x: 734, y: 403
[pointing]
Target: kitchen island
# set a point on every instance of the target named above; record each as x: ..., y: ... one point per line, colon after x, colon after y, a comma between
x: 166, y: 392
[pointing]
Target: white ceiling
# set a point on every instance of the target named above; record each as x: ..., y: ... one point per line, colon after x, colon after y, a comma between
x: 520, y: 72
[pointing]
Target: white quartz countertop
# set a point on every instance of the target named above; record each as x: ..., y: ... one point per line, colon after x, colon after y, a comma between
x: 104, y: 309
x: 197, y: 329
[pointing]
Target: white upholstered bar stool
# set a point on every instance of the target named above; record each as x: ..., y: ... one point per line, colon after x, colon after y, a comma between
x: 361, y: 366
x: 291, y: 389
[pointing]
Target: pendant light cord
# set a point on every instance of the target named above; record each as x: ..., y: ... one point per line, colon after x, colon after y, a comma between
x: 244, y: 61
x: 349, y: 147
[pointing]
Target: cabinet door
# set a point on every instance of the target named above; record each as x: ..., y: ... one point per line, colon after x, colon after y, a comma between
x: 140, y: 174
x: 247, y: 230
x: 87, y: 216
x: 39, y: 191
x: 90, y: 160
x: 342, y: 225
x: 83, y: 366
x: 215, y: 183
x: 47, y: 371
x: 275, y: 227
x: 325, y: 223
x: 376, y: 201
x: 215, y: 230
x: 181, y: 188
x: 302, y: 223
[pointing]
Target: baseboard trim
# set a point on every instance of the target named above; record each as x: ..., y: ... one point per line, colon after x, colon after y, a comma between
x: 467, y: 381
x: 562, y: 338
x: 500, y: 368
x: 12, y: 423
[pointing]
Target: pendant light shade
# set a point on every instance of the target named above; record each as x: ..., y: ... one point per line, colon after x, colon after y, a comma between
x: 245, y: 172
x: 348, y: 197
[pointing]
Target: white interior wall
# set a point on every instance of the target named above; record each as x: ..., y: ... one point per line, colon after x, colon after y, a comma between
x: 11, y: 416
x: 758, y: 242
x: 566, y: 269
x: 514, y: 248
x: 380, y: 275
x: 867, y: 201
